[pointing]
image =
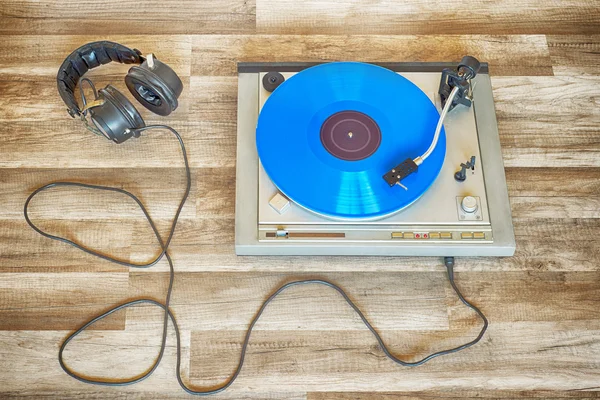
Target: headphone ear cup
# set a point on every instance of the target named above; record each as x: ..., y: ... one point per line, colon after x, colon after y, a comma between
x: 116, y: 117
x: 155, y: 85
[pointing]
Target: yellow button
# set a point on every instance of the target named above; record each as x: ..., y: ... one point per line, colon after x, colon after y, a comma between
x: 409, y: 235
x: 397, y: 235
x: 466, y: 235
x: 446, y: 235
x: 478, y: 235
x: 434, y: 235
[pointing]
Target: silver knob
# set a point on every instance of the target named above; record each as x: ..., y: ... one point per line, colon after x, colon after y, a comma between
x: 469, y: 204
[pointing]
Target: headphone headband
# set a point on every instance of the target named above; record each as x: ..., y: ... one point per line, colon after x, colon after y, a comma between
x: 85, y: 58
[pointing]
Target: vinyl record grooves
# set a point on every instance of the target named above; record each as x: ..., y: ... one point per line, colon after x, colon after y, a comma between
x: 328, y: 134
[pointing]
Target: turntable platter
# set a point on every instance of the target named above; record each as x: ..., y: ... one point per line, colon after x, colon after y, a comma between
x: 328, y: 134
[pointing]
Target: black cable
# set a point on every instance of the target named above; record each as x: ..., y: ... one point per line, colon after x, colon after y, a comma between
x: 449, y: 261
x: 164, y: 247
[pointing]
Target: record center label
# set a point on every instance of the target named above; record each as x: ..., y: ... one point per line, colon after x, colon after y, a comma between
x: 350, y: 135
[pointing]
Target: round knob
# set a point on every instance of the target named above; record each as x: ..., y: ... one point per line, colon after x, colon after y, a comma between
x: 469, y: 66
x: 469, y: 204
x: 271, y: 80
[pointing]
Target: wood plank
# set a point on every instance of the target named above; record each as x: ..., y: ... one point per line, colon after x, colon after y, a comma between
x: 453, y: 394
x: 126, y: 17
x: 24, y: 250
x: 404, y: 301
x: 216, y: 193
x: 118, y: 354
x: 552, y: 182
x: 556, y: 207
x: 67, y: 144
x: 274, y: 350
x: 507, y: 55
x: 327, y: 351
x: 149, y: 393
x: 554, y: 297
x: 204, y: 301
x: 102, y: 353
x: 37, y: 301
x: 558, y: 127
x: 31, y: 58
x: 512, y: 356
x: 28, y: 247
x: 576, y: 229
x: 575, y: 55
x: 419, y: 17
x: 214, y: 98
x: 17, y: 106
x: 160, y: 189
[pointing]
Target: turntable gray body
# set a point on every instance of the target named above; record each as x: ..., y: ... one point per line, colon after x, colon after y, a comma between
x: 266, y: 223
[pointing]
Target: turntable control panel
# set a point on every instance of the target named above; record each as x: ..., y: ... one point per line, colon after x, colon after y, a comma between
x: 309, y: 234
x: 439, y: 235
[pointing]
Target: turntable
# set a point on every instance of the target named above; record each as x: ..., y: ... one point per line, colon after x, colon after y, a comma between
x: 349, y: 158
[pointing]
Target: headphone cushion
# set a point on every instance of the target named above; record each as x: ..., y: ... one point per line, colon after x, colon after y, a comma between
x: 156, y: 88
x: 117, y: 116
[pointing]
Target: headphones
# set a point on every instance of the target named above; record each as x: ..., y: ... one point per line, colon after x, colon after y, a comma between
x: 153, y: 83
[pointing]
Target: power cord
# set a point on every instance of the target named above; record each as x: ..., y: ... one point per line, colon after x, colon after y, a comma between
x: 449, y: 262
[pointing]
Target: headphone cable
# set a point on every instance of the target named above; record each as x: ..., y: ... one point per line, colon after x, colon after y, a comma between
x: 449, y: 262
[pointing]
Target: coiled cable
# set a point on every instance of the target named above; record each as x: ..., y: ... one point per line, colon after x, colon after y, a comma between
x: 449, y: 261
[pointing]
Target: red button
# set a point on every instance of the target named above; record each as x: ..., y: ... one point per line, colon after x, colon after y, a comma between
x: 418, y: 236
x: 425, y: 235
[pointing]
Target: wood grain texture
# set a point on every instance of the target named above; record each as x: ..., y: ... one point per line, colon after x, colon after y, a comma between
x: 544, y: 337
x: 508, y: 55
x: 466, y: 394
x: 513, y: 356
x: 574, y: 55
x: 152, y: 17
x: 57, y: 301
x: 550, y: 121
x: 413, y: 301
x: 416, y: 16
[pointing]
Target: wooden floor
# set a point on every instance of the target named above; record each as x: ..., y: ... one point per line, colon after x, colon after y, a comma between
x: 543, y: 303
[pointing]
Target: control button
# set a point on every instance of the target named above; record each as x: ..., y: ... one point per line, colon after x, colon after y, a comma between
x: 478, y: 235
x: 434, y: 235
x: 446, y: 235
x: 425, y: 236
x: 417, y: 236
x: 397, y: 235
x: 466, y: 235
x: 469, y: 204
x: 279, y: 203
x: 409, y: 235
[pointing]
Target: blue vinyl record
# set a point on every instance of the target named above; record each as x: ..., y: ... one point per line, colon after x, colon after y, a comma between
x: 328, y: 134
